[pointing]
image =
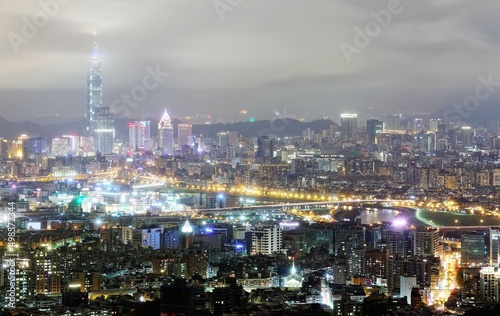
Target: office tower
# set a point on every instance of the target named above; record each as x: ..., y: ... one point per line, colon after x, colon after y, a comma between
x: 184, y: 130
x: 473, y: 250
x: 426, y: 242
x: 348, y: 126
x: 434, y: 124
x: 104, y: 131
x: 494, y: 247
x: 166, y: 134
x: 373, y: 127
x: 392, y: 122
x: 265, y: 147
x: 222, y: 139
x: 467, y: 135
x: 34, y: 146
x: 266, y: 240
x: 139, y: 135
x: 94, y: 88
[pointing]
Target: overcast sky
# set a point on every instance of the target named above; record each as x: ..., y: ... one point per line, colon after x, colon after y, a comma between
x: 255, y: 54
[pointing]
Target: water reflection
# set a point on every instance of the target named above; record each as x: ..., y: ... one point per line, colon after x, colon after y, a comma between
x: 373, y: 217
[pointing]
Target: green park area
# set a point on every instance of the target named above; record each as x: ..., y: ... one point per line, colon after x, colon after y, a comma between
x: 435, y: 218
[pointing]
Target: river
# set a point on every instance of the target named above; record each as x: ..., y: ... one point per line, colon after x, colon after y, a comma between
x: 382, y: 215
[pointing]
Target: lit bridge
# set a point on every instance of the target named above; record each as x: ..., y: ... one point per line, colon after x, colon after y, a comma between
x: 304, y: 205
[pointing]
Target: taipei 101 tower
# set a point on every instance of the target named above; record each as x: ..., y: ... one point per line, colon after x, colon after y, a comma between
x: 100, y: 120
x: 94, y: 88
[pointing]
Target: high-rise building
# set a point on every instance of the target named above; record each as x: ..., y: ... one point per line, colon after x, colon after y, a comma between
x: 376, y: 263
x: 222, y: 139
x: 34, y: 146
x: 166, y: 134
x: 265, y: 147
x: 139, y: 135
x: 494, y: 253
x: 151, y: 237
x: 473, y: 250
x: 104, y: 130
x: 184, y: 130
x: 426, y: 242
x: 266, y: 239
x: 24, y: 277
x: 392, y: 122
x: 434, y: 124
x: 47, y: 266
x: 348, y: 126
x: 489, y: 284
x: 100, y: 120
x: 60, y: 146
x: 373, y: 127
x: 94, y: 87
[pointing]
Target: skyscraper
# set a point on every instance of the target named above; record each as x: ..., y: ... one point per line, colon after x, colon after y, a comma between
x: 184, y: 130
x: 265, y: 147
x: 494, y: 245
x: 94, y: 88
x: 373, y: 127
x: 166, y: 134
x: 103, y: 131
x: 100, y: 120
x: 392, y: 122
x: 34, y: 146
x: 139, y: 135
x: 348, y: 126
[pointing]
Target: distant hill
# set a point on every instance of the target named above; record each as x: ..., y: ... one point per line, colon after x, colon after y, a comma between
x: 12, y: 130
x: 281, y: 127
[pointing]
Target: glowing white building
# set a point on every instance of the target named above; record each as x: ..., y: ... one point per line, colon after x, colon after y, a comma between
x: 166, y: 134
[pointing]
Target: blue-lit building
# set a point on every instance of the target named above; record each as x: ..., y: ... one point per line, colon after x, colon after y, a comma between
x: 171, y: 239
x: 34, y: 146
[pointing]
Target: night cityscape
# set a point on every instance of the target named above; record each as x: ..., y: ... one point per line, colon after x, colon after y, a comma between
x: 236, y: 157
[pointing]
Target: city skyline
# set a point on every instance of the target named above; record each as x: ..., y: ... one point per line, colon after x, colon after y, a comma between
x: 402, y: 69
x: 237, y: 157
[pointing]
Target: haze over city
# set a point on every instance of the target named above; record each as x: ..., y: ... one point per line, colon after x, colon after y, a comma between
x: 258, y: 55
x: 249, y: 157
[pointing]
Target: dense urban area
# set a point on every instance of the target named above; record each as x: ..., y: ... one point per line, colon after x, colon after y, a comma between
x: 210, y: 215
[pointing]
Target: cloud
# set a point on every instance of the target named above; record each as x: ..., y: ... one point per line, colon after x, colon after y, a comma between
x: 264, y: 53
